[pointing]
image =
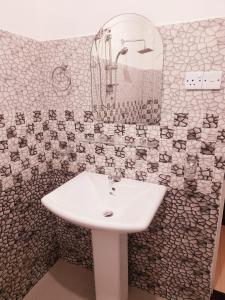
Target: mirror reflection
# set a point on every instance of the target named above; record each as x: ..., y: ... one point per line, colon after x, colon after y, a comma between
x: 126, y: 71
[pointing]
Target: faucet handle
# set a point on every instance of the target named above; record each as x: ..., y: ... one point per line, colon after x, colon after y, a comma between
x: 116, y: 176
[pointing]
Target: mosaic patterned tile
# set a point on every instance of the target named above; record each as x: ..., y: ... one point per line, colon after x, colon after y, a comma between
x: 28, y: 230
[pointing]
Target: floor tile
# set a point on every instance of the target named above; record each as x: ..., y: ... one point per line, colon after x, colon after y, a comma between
x: 65, y: 281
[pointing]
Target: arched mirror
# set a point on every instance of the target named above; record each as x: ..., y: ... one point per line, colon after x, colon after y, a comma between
x: 126, y: 71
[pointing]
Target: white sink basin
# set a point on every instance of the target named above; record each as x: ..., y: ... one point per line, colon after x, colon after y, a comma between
x: 111, y: 210
x: 87, y: 198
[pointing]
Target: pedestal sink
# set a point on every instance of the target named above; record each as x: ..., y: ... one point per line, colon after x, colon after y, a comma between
x: 111, y: 210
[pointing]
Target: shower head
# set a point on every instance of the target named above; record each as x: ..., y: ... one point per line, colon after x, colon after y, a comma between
x: 145, y: 50
x: 142, y: 51
x: 123, y: 51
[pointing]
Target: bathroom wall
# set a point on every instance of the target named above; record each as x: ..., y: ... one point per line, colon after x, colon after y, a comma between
x: 173, y: 257
x: 27, y: 231
x: 29, y: 246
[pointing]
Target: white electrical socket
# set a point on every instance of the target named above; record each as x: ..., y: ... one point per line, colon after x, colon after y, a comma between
x: 212, y: 80
x: 203, y: 80
x: 193, y: 80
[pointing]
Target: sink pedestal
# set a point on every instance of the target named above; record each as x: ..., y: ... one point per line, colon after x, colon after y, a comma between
x: 110, y: 251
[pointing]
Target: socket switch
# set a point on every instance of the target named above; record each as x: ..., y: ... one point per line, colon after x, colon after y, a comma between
x: 203, y: 80
x: 193, y: 80
x: 212, y: 80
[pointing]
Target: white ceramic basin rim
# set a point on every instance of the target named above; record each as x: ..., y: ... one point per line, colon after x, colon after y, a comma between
x: 88, y: 200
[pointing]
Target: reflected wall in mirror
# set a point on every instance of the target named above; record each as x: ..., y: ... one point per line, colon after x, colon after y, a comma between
x: 126, y: 71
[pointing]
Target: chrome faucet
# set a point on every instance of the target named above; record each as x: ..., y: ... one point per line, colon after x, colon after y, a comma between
x: 117, y: 176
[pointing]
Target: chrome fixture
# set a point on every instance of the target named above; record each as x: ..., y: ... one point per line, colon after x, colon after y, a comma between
x: 123, y: 51
x: 116, y: 177
x: 142, y: 51
x: 145, y: 50
x: 108, y: 214
x: 109, y: 68
x: 61, y: 79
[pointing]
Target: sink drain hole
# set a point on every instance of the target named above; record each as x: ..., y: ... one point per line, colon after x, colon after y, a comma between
x: 108, y: 214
